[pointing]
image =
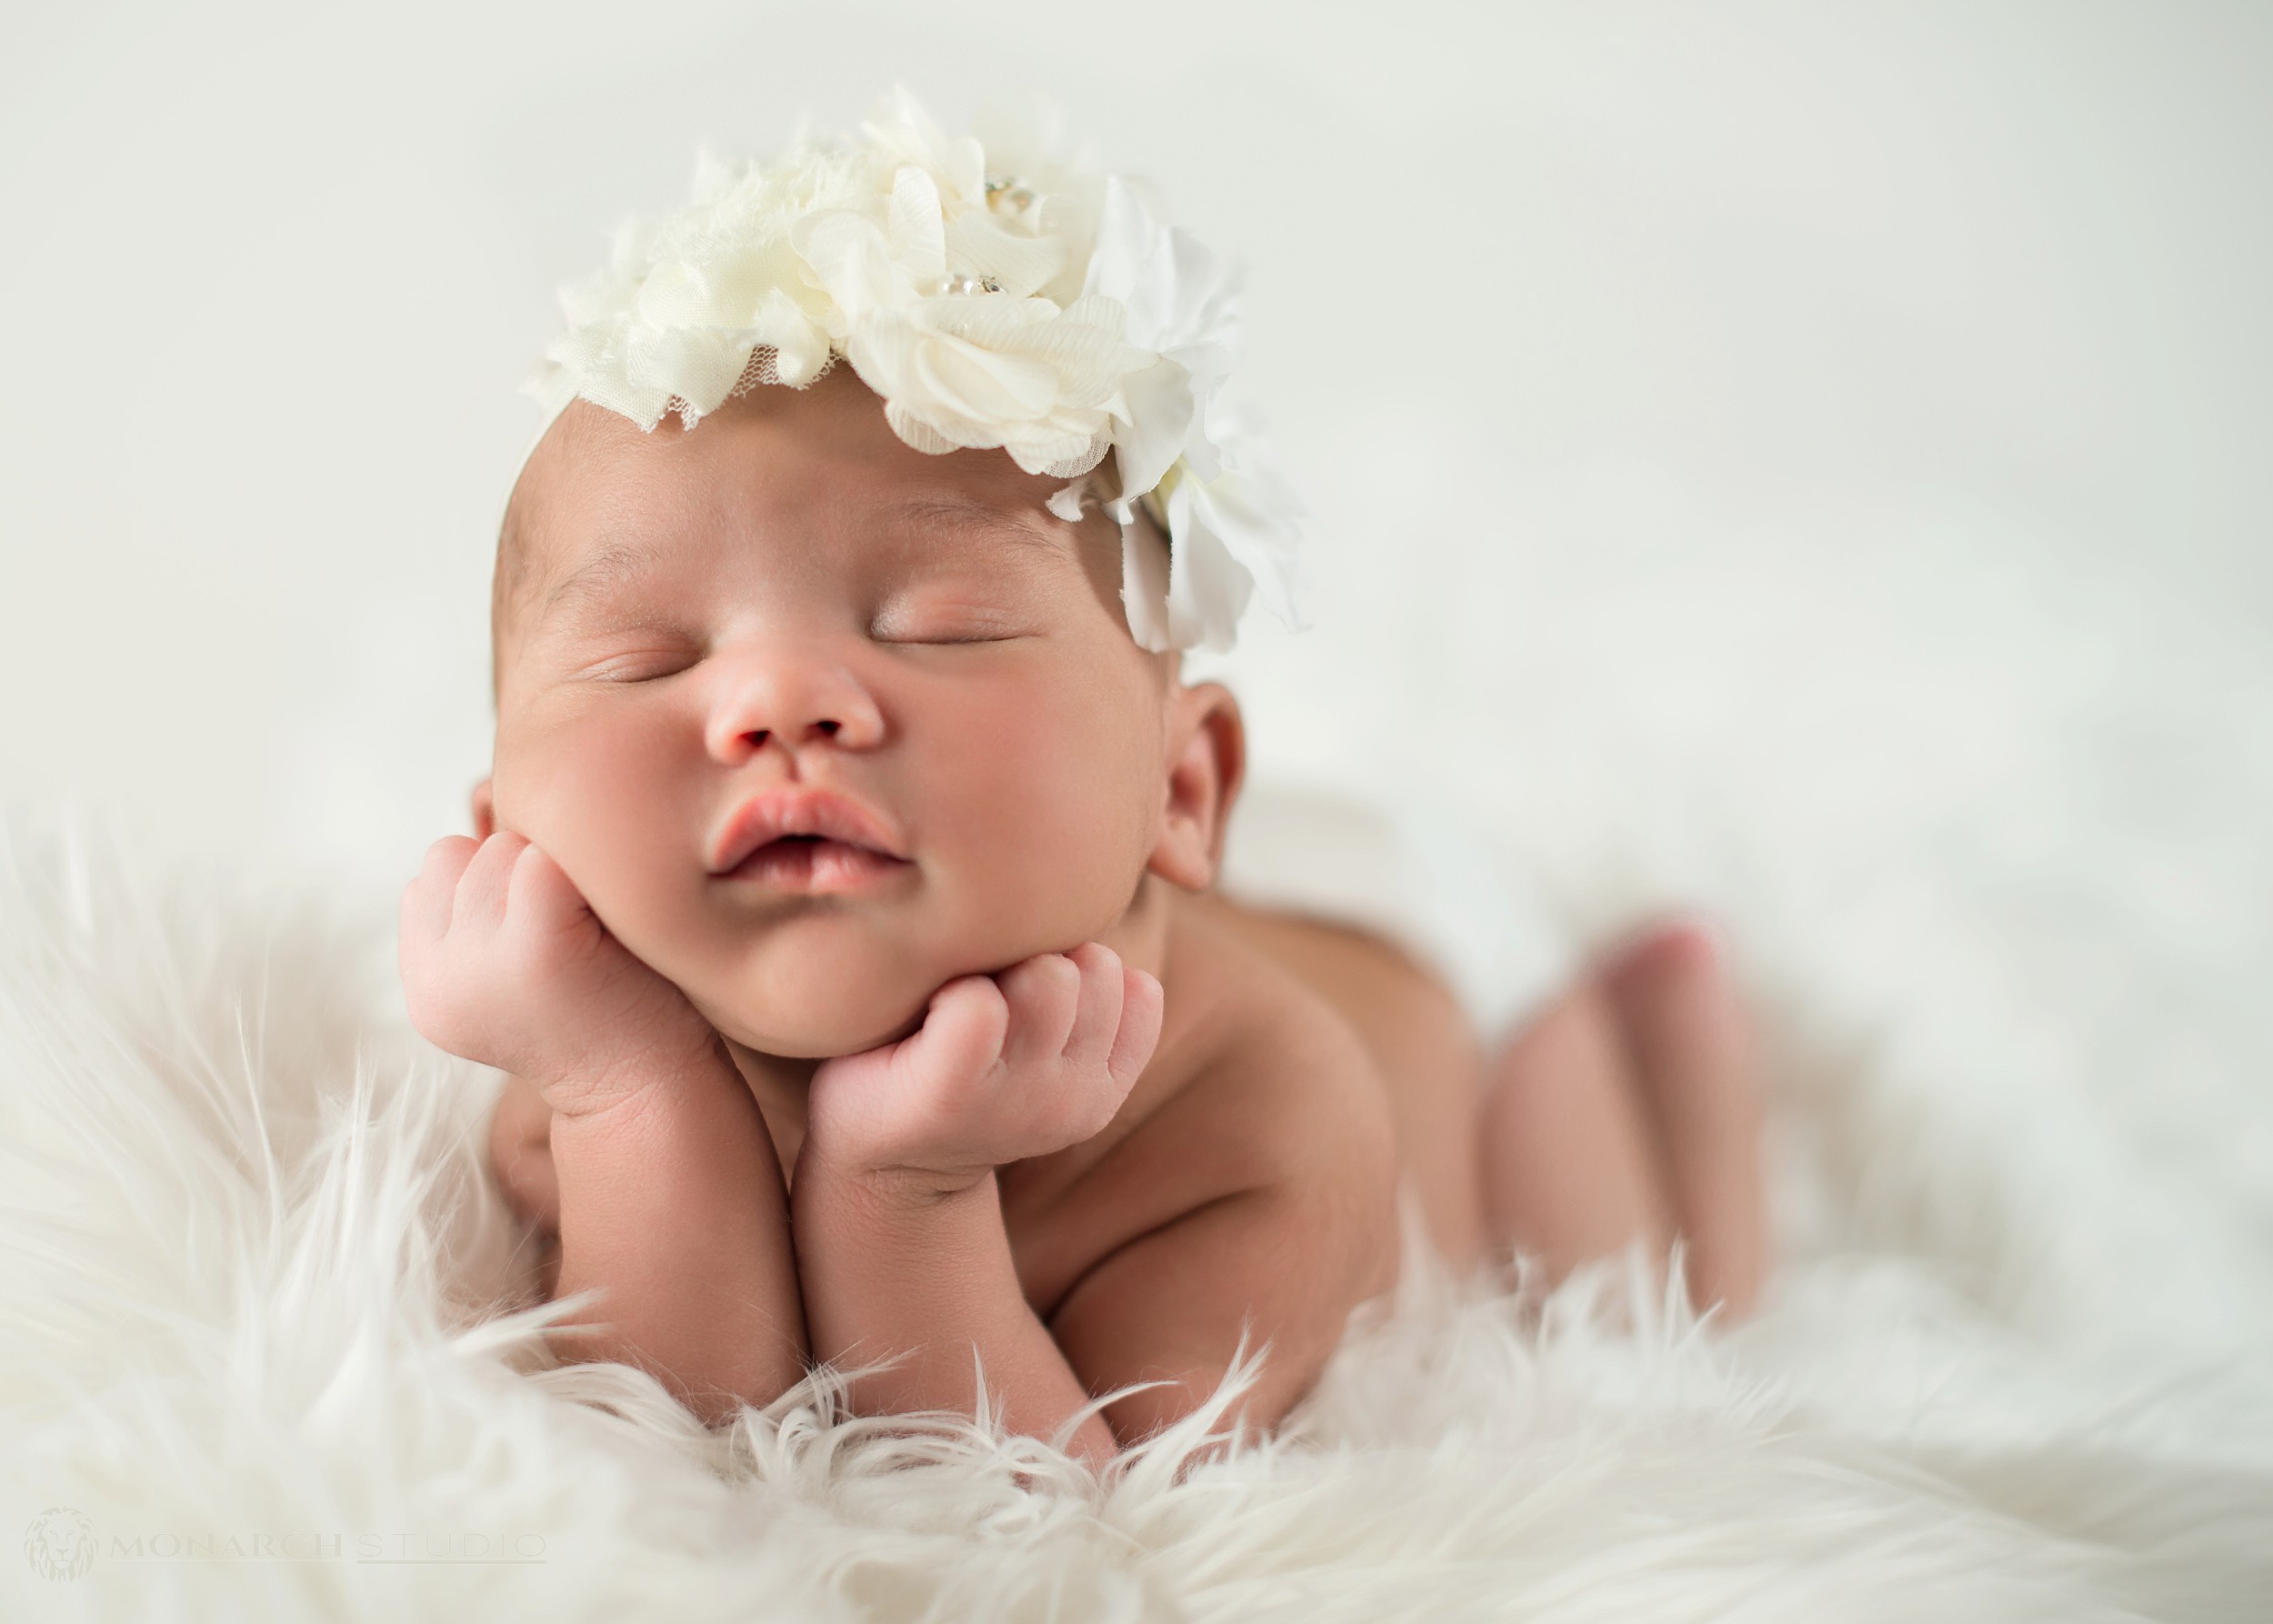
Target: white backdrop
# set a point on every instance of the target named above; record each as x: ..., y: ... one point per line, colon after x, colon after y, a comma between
x: 1998, y: 272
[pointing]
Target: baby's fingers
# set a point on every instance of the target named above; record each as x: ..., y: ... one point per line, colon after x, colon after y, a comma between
x: 482, y: 889
x: 541, y: 896
x: 962, y: 1034
x: 426, y: 900
x: 1141, y: 1009
x: 1097, y: 1009
x: 1044, y: 994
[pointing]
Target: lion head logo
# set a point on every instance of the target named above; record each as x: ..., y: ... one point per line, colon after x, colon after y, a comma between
x: 60, y: 1543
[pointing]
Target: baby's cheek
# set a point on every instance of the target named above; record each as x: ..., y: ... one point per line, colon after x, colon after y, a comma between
x: 1052, y: 835
x: 599, y: 799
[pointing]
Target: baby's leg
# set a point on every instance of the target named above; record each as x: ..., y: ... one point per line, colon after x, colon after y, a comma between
x: 1693, y: 1055
x: 1625, y: 1112
x: 1571, y: 1167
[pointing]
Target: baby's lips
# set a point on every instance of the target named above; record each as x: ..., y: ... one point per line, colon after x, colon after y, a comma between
x: 797, y: 810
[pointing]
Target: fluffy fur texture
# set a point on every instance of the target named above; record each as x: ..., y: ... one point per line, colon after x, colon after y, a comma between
x: 1995, y: 867
x: 251, y: 1276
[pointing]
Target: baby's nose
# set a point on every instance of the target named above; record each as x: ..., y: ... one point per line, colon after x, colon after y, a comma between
x: 796, y: 703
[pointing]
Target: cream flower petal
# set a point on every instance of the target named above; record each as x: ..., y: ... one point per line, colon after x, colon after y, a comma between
x: 919, y: 236
x: 1146, y: 567
x: 998, y: 295
x: 1020, y: 265
x: 1208, y: 586
x: 698, y: 366
x: 903, y: 131
x: 800, y: 344
x: 1159, y: 414
x: 1250, y: 516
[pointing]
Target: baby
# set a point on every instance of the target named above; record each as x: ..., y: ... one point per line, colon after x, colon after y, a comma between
x: 842, y: 901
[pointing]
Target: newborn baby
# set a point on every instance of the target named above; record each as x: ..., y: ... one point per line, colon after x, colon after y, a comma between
x: 842, y: 909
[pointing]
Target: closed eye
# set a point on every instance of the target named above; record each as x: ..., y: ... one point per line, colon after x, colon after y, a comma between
x: 943, y: 640
x: 942, y: 625
x: 637, y: 665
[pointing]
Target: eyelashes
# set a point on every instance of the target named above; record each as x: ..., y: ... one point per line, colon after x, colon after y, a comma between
x: 946, y: 624
x: 627, y: 646
x: 651, y: 665
x: 631, y: 656
x: 943, y: 639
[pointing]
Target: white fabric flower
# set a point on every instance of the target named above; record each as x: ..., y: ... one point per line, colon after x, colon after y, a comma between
x: 996, y: 294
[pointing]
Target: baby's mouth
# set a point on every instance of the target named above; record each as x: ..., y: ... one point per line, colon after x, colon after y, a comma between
x: 814, y: 865
x: 807, y: 841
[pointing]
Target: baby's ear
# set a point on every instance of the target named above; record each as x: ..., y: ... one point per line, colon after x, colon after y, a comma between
x: 1207, y: 758
x: 484, y: 812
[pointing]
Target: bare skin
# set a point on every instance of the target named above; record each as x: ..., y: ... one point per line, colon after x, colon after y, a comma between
x: 1623, y: 1111
x: 841, y: 909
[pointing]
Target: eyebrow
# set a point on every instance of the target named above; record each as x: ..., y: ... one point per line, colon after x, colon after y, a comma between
x: 612, y: 566
x: 965, y: 513
x: 623, y: 561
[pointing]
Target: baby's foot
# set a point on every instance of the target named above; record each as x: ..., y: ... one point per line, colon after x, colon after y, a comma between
x: 1690, y: 1042
x: 1628, y: 1112
x: 1570, y: 1165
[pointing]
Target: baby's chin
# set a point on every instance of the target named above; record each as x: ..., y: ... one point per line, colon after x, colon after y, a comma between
x: 843, y: 983
x: 814, y: 1031
x: 824, y: 1006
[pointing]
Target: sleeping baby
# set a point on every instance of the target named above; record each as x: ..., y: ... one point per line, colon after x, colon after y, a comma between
x: 847, y: 903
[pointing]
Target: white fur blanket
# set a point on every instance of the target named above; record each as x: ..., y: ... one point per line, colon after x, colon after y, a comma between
x: 250, y: 1370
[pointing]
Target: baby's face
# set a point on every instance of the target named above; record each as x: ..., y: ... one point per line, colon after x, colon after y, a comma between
x: 817, y: 722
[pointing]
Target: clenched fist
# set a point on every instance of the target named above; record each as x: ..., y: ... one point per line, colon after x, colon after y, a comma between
x: 1004, y: 1068
x: 504, y: 962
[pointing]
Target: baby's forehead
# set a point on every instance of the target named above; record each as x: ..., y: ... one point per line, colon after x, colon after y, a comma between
x: 638, y: 534
x: 576, y: 543
x: 822, y: 459
x: 912, y: 534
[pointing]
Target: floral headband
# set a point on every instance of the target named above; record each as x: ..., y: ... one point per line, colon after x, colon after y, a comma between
x: 994, y: 295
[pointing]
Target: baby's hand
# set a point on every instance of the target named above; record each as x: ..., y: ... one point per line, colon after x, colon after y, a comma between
x: 504, y: 962
x: 1004, y: 1068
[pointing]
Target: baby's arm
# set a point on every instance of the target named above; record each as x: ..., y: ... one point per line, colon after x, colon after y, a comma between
x: 899, y: 1226
x: 670, y: 1195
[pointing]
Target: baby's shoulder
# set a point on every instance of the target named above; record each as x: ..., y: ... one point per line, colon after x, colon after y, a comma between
x: 1260, y: 1064
x: 1259, y: 1093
